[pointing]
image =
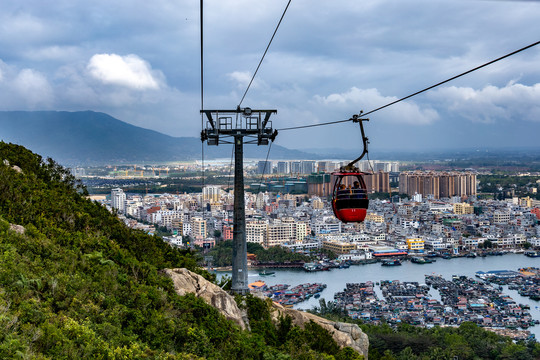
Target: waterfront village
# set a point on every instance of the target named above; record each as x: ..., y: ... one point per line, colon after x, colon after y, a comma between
x: 442, y: 216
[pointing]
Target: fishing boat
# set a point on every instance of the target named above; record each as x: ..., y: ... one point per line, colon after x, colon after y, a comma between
x: 420, y: 260
x: 310, y: 267
x: 391, y: 262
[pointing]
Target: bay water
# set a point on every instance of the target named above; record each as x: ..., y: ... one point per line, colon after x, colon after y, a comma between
x: 336, y: 279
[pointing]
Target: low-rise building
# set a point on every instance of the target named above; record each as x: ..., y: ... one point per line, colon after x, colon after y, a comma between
x: 415, y: 244
x: 463, y: 208
x: 339, y: 247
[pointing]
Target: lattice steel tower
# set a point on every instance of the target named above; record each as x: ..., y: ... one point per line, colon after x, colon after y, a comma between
x: 231, y: 127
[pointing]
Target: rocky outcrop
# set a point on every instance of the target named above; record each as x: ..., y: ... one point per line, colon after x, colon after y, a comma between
x: 14, y: 167
x: 186, y: 281
x: 19, y: 229
x: 343, y: 333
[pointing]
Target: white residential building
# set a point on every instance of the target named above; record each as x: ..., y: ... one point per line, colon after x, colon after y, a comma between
x: 256, y: 232
x: 325, y: 227
x: 198, y: 228
x: 118, y: 200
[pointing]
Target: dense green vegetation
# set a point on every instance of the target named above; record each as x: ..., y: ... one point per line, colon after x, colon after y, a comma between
x: 78, y: 284
x: 222, y: 254
x: 501, y: 160
x: 188, y: 182
x: 504, y: 186
x: 466, y: 342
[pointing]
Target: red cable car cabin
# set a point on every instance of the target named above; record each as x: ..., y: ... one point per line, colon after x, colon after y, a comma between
x: 349, y: 198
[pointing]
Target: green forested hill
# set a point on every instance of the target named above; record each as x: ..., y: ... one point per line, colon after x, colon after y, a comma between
x: 79, y: 284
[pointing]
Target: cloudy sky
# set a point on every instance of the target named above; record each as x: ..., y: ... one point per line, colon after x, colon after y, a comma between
x: 139, y: 61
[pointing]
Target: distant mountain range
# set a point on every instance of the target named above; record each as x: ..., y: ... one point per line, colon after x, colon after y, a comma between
x: 92, y: 138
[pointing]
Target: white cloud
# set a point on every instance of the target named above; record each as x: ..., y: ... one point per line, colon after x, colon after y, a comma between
x: 15, y: 26
x: 242, y: 78
x: 33, y: 89
x: 370, y: 99
x: 491, y: 103
x: 128, y: 71
x: 59, y: 53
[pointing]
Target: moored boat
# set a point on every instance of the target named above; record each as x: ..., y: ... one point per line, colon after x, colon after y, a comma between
x: 391, y: 262
x: 421, y: 260
x: 310, y: 267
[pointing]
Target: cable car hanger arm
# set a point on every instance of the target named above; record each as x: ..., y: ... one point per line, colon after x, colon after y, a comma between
x: 356, y: 118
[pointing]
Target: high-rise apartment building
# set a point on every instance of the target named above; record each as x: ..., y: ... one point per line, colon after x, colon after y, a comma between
x: 327, y: 166
x: 380, y: 166
x: 377, y: 182
x: 319, y: 184
x: 322, y: 184
x: 264, y: 167
x: 198, y: 228
x: 118, y: 200
x: 211, y: 193
x: 437, y: 184
x: 308, y: 167
x: 363, y: 165
x: 296, y: 167
x: 283, y: 167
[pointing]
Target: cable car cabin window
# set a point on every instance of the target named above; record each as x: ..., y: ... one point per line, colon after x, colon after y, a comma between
x: 350, y: 200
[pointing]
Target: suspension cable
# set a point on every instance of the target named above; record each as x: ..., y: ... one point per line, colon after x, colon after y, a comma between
x: 265, y: 51
x: 202, y: 63
x: 264, y: 168
x: 230, y: 169
x: 202, y: 108
x: 314, y: 125
x: 418, y: 92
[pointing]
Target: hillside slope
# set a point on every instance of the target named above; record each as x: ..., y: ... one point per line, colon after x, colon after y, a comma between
x: 75, y: 283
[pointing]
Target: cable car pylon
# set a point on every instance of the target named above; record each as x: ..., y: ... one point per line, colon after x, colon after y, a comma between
x: 231, y: 127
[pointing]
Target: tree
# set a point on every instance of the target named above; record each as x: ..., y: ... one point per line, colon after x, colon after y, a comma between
x: 488, y: 244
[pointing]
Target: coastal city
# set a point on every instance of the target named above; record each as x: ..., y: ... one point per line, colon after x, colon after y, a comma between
x: 430, y: 211
x: 425, y: 215
x: 302, y: 180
